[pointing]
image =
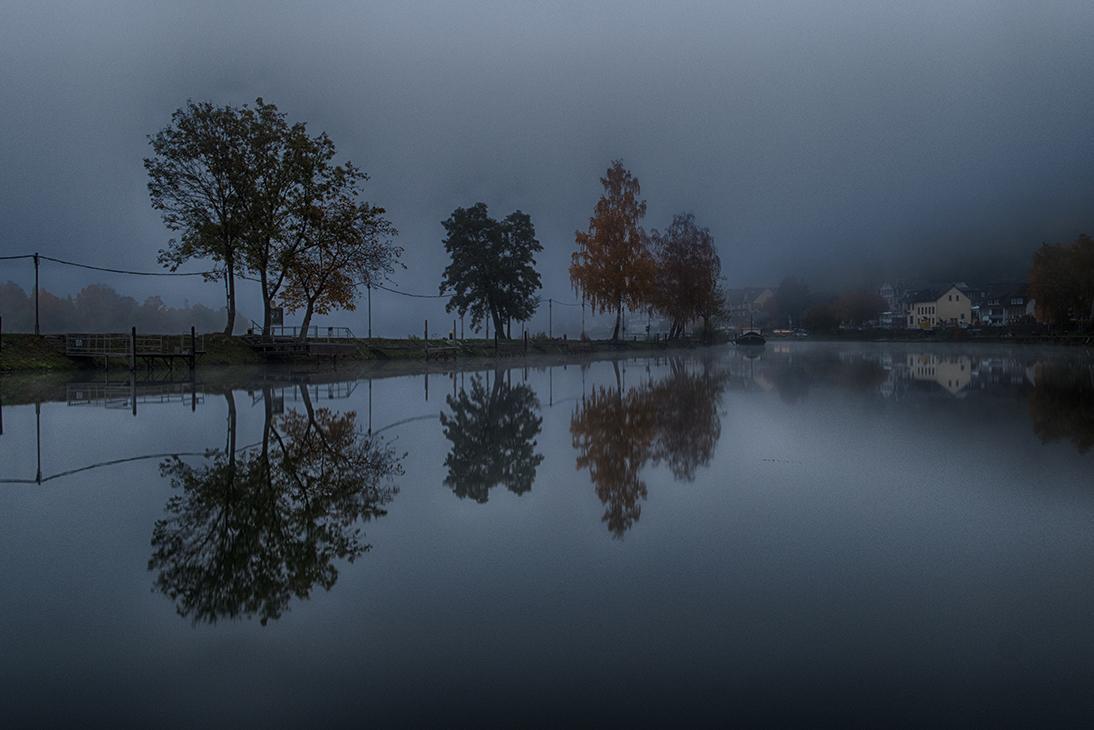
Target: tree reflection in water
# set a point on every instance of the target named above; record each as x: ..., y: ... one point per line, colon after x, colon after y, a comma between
x: 251, y: 529
x: 1062, y: 405
x: 617, y: 433
x: 493, y: 432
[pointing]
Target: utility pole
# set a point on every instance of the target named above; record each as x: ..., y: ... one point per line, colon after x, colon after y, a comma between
x: 583, y: 315
x: 37, y: 329
x: 370, y: 311
x: 550, y: 318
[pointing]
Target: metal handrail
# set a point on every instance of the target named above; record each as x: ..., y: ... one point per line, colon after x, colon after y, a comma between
x: 120, y: 345
x: 313, y: 332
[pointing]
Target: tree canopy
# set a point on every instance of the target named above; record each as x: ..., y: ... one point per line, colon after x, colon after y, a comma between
x: 612, y: 266
x: 1062, y: 281
x: 688, y: 270
x: 260, y: 196
x: 493, y: 269
x: 197, y: 180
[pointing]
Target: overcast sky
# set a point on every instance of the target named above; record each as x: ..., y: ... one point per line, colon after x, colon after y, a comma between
x: 834, y: 140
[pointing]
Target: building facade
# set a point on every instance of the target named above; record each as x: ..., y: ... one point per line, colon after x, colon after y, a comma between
x: 927, y: 309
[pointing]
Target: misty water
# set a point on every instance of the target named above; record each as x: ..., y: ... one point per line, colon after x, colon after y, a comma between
x: 805, y: 532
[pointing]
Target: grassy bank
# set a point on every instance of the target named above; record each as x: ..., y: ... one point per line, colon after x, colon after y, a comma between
x: 20, y: 353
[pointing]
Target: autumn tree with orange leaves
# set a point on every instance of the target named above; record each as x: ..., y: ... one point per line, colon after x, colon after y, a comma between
x: 350, y: 244
x: 612, y: 266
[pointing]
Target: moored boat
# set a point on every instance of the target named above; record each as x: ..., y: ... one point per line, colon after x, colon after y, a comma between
x: 750, y: 337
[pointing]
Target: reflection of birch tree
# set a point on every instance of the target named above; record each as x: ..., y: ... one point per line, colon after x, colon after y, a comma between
x: 248, y: 530
x: 616, y: 433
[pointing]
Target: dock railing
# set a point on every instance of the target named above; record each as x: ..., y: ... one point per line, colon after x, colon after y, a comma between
x: 313, y: 332
x: 122, y: 345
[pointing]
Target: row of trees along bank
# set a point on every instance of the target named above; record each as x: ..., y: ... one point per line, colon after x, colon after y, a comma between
x: 265, y: 199
x: 492, y: 275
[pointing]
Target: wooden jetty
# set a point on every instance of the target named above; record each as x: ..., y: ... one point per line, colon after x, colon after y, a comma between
x: 287, y: 347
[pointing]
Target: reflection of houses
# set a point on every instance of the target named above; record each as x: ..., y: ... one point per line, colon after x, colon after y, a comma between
x: 930, y: 308
x: 748, y: 306
x: 952, y: 373
x: 958, y: 375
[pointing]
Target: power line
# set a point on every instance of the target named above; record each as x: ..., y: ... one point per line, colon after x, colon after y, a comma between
x: 125, y: 271
x: 130, y: 272
x: 409, y: 294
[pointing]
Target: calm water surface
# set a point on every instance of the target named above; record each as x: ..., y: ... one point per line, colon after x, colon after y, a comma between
x: 874, y: 535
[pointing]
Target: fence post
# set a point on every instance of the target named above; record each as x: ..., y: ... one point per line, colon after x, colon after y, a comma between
x: 133, y: 349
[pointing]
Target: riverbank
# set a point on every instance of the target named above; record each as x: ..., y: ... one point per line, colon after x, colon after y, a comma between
x: 985, y: 336
x: 22, y: 353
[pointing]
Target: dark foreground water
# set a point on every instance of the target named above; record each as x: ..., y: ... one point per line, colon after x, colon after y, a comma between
x: 872, y: 535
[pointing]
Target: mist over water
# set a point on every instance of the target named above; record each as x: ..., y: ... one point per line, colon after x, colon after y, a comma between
x: 804, y: 533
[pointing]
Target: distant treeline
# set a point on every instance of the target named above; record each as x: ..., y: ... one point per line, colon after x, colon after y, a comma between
x: 98, y: 308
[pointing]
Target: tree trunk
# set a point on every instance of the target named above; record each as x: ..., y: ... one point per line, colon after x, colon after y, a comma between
x: 618, y: 321
x: 230, y: 279
x: 265, y: 305
x: 230, y: 441
x: 306, y: 323
x: 499, y: 329
x: 267, y: 421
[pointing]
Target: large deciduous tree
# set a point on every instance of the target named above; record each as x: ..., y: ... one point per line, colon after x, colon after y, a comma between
x: 249, y: 190
x: 687, y: 273
x: 493, y: 269
x: 289, y: 173
x: 349, y: 244
x: 860, y: 306
x: 1062, y: 280
x: 612, y: 266
x: 197, y: 179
